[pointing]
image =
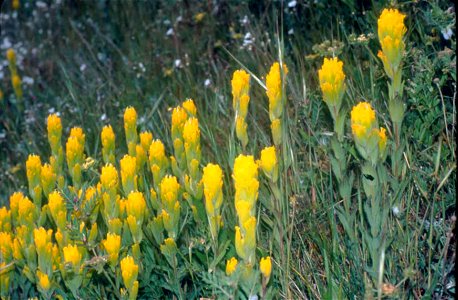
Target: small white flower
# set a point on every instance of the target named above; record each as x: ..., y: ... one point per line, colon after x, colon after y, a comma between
x: 142, y: 67
x: 169, y: 32
x: 292, y: 4
x: 41, y: 4
x: 27, y: 80
x: 291, y: 31
x: 83, y: 67
x: 245, y: 20
x: 177, y: 63
x: 103, y: 117
x: 395, y: 210
x: 207, y: 82
x: 179, y: 19
x: 51, y: 110
x: 6, y: 44
x: 447, y: 33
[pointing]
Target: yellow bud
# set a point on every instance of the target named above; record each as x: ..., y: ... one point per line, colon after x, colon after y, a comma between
x: 11, y: 55
x: 241, y: 131
x: 43, y: 281
x: 191, y: 131
x: 109, y: 177
x: 5, y: 219
x: 108, y: 144
x: 190, y: 107
x: 231, y: 266
x: 112, y: 244
x: 128, y: 173
x: 73, y: 255
x: 266, y: 266
x: 362, y: 119
x: 146, y: 138
x: 136, y: 206
x: 274, y: 90
x: 48, y: 178
x: 269, y: 163
x: 240, y: 85
x: 332, y: 84
x: 129, y: 271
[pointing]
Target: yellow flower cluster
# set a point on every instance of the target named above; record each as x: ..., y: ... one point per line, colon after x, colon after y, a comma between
x: 112, y: 244
x: 171, y: 208
x: 213, y: 183
x: 75, y: 156
x: 33, y: 167
x: 269, y: 163
x: 130, y: 129
x: 129, y: 272
x: 158, y: 161
x: 246, y: 185
x: 135, y: 209
x: 128, y: 173
x: 370, y: 140
x: 274, y: 83
x: 391, y: 31
x: 332, y: 84
x: 241, y: 98
x: 54, y: 127
x: 108, y: 144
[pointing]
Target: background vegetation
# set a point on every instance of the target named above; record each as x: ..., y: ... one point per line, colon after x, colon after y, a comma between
x: 88, y: 60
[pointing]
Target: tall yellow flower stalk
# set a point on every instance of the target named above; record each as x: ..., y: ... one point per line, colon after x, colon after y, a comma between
x: 129, y: 272
x: 391, y: 31
x: 58, y: 210
x: 130, y: 129
x: 213, y: 184
x: 75, y: 155
x: 179, y: 117
x: 332, y: 84
x: 136, y: 211
x: 240, y: 100
x: 48, y: 179
x: 275, y: 84
x: 33, y: 167
x: 112, y: 244
x: 109, y: 182
x: 369, y: 139
x: 44, y: 248
x: 269, y: 163
x: 108, y: 144
x: 170, y: 193
x: 129, y: 173
x: 54, y: 127
x: 158, y: 161
x: 245, y: 176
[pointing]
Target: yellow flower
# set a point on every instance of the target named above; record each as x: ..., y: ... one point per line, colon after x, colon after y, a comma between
x: 199, y: 17
x: 391, y: 31
x: 112, y: 244
x: 43, y: 281
x: 382, y: 139
x: 190, y: 107
x: 266, y: 266
x: 268, y: 163
x: 169, y: 191
x: 27, y: 212
x: 6, y: 246
x: 240, y: 86
x: 362, y: 119
x: 108, y: 144
x: 11, y: 55
x: 54, y: 126
x: 72, y: 255
x: 42, y: 238
x: 16, y: 4
x: 136, y: 206
x: 15, y: 199
x: 129, y: 271
x: 48, y: 178
x: 243, y: 209
x: 109, y: 177
x: 245, y: 177
x: 16, y: 82
x: 128, y: 173
x: 332, y: 84
x: 231, y: 266
x: 130, y: 128
x: 33, y: 166
x: 191, y: 131
x: 274, y: 90
x: 276, y: 129
x: 58, y: 209
x: 179, y: 117
x: 146, y: 138
x: 213, y: 183
x: 5, y: 219
x: 77, y: 132
x: 241, y: 131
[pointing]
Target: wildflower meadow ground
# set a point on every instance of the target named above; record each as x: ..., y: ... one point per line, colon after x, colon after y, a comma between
x: 227, y: 150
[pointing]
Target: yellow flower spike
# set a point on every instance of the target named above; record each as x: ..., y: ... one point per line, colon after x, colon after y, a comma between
x: 27, y: 212
x: 362, y: 119
x: 146, y: 139
x: 33, y: 167
x: 11, y: 56
x: 231, y: 266
x: 239, y: 243
x: 332, y: 84
x: 15, y: 198
x: 43, y: 281
x: 213, y: 183
x: 128, y: 173
x: 112, y: 244
x: 269, y: 163
x: 54, y: 127
x: 109, y: 177
x: 58, y: 209
x: 274, y: 90
x: 130, y: 128
x: 391, y: 31
x: 5, y: 219
x: 241, y: 131
x: 48, y: 179
x: 6, y: 246
x: 108, y: 144
x: 240, y: 86
x: 77, y: 132
x: 129, y: 272
x: 16, y: 82
x: 75, y: 154
x: 140, y: 155
x: 191, y: 132
x: 382, y: 140
x: 243, y: 209
x: 42, y: 238
x: 243, y: 105
x: 276, y: 129
x: 73, y: 255
x: 265, y: 265
x: 190, y: 107
x: 245, y: 176
x: 136, y: 206
x: 170, y: 189
x: 179, y: 117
